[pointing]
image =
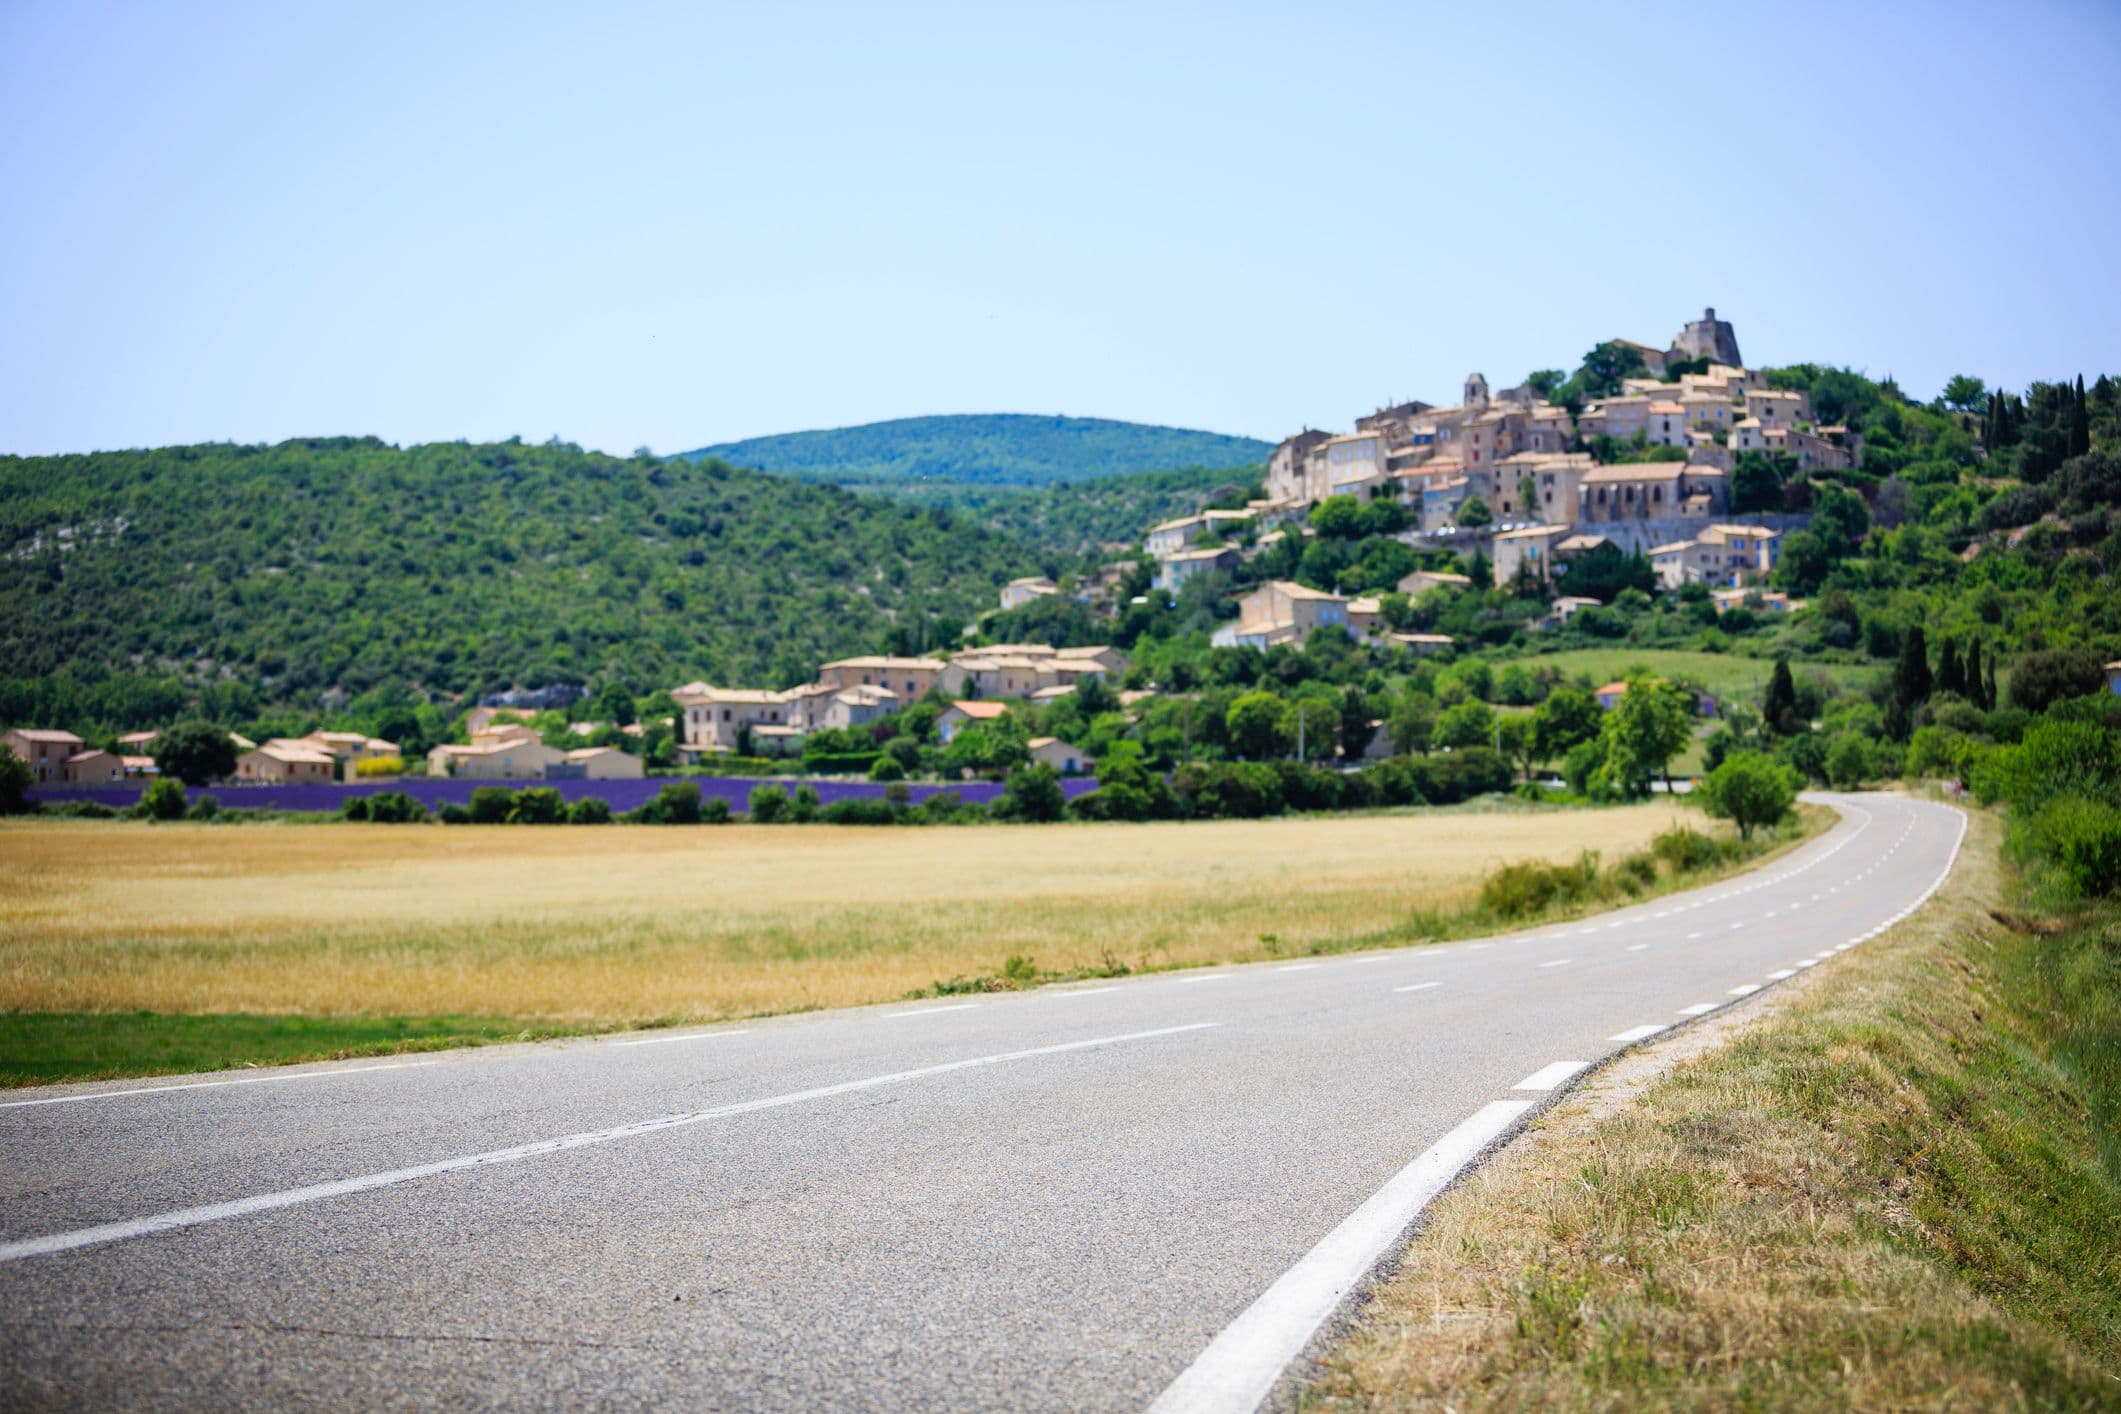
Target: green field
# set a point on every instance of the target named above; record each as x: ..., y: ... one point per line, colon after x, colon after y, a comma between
x: 1723, y: 674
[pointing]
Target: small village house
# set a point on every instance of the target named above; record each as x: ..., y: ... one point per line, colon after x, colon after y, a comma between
x: 1066, y: 759
x: 44, y: 751
x: 960, y: 715
x: 95, y: 768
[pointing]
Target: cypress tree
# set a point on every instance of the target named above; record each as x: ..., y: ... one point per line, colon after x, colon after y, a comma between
x: 1778, y: 711
x: 1988, y: 686
x: 2080, y: 424
x: 1911, y: 683
x: 1948, y: 678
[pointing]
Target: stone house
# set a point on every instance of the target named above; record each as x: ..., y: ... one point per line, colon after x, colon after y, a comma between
x: 44, y: 751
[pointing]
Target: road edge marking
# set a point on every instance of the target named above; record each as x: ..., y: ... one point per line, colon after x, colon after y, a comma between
x: 1241, y: 1366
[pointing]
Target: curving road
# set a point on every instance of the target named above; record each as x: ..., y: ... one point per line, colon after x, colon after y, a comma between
x: 1098, y: 1196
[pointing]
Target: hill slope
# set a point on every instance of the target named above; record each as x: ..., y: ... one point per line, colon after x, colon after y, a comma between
x: 284, y: 570
x: 986, y: 449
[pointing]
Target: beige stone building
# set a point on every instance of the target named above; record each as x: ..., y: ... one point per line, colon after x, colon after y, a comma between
x: 1720, y: 554
x: 1019, y: 592
x: 285, y: 761
x: 911, y: 678
x: 511, y: 758
x: 601, y: 763
x: 1062, y: 757
x: 1173, y: 570
x: 95, y: 768
x: 960, y: 715
x: 1282, y: 611
x: 1421, y: 582
x: 1532, y: 545
x: 713, y: 719
x: 43, y: 750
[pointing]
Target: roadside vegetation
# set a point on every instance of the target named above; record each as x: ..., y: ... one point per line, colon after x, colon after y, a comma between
x: 1901, y: 1188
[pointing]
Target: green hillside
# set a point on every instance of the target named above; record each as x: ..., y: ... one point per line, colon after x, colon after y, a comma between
x: 1060, y: 522
x: 130, y: 580
x: 986, y: 449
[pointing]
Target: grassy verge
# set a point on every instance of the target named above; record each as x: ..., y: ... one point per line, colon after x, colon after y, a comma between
x: 1900, y: 1189
x: 44, y: 1047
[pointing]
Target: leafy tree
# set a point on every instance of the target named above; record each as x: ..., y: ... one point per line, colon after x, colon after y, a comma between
x: 1604, y: 368
x: 15, y: 780
x: 1568, y: 718
x: 490, y: 805
x: 1473, y: 513
x: 1467, y: 724
x: 1848, y: 761
x: 196, y: 753
x: 1757, y: 479
x: 1964, y: 392
x: 1804, y: 563
x: 1356, y: 716
x: 1518, y: 740
x: 539, y: 805
x: 1338, y: 518
x: 1255, y: 726
x: 2039, y: 680
x: 1411, y: 724
x: 1840, y: 520
x: 1034, y: 794
x: 164, y: 800
x: 1751, y: 790
x: 613, y: 703
x: 1311, y: 724
x: 1602, y: 573
x: 1651, y: 724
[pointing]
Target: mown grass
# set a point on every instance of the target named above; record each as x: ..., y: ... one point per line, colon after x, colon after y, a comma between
x: 1901, y: 1190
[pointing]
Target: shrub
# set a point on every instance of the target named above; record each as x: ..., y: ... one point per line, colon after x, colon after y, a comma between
x: 2081, y: 839
x: 589, y: 810
x: 1034, y: 794
x: 395, y: 807
x: 490, y: 805
x: 380, y: 766
x: 767, y: 804
x: 1531, y: 887
x: 677, y: 803
x: 540, y: 805
x: 452, y: 813
x: 1638, y: 871
x: 803, y: 808
x: 859, y: 810
x: 2040, y: 679
x: 354, y: 808
x: 714, y: 810
x: 204, y: 808
x: 1684, y: 850
x: 886, y: 768
x: 1848, y: 762
x: 164, y: 801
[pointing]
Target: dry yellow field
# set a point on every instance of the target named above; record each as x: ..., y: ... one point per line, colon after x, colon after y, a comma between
x: 639, y: 924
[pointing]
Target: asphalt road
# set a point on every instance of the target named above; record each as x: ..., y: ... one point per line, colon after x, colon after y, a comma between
x: 1049, y: 1200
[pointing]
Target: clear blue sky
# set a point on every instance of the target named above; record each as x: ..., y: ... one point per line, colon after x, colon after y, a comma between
x: 673, y: 225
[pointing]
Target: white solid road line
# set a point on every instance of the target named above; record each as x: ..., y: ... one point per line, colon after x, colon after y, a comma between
x: 1557, y: 962
x: 211, y: 1084
x: 1548, y: 1076
x: 1637, y: 1033
x: 690, y: 1036
x: 339, y: 1188
x: 1083, y: 991
x: 1637, y: 947
x: 1299, y: 967
x: 933, y: 1010
x: 1239, y: 1368
x: 1418, y: 987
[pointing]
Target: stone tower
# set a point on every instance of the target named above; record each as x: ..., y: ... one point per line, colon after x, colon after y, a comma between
x: 1710, y: 338
x: 1476, y: 391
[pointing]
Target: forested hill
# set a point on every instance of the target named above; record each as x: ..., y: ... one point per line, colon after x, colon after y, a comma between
x: 282, y: 571
x: 988, y: 449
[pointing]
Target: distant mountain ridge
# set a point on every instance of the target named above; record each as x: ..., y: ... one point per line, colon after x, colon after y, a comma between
x: 985, y: 449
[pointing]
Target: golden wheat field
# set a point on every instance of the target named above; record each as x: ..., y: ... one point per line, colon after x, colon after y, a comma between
x: 637, y: 924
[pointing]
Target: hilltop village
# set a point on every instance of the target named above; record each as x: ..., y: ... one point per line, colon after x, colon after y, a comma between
x: 1654, y: 494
